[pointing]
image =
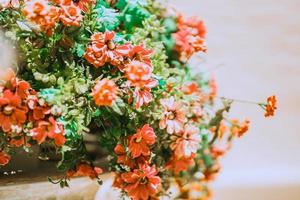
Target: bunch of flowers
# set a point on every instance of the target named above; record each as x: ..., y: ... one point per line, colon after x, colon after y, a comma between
x: 117, y: 69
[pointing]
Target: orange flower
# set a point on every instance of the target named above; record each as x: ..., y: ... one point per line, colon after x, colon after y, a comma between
x: 217, y: 152
x: 85, y: 170
x: 41, y: 13
x: 50, y: 129
x: 103, y: 49
x: 105, y: 92
x: 123, y: 157
x: 84, y: 5
x: 189, y: 37
x: 180, y: 164
x: 173, y: 116
x: 194, y: 25
x: 38, y: 112
x: 12, y: 111
x: 210, y: 173
x: 142, y: 183
x: 238, y: 129
x: 188, y: 44
x: 271, y: 106
x: 4, y: 158
x: 71, y: 15
x: 143, y: 95
x: 140, y: 53
x: 19, y: 142
x: 23, y: 89
x: 139, y: 143
x: 187, y: 142
x: 190, y: 88
x: 138, y: 73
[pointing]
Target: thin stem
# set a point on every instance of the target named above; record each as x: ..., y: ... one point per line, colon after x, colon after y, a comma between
x: 241, y: 101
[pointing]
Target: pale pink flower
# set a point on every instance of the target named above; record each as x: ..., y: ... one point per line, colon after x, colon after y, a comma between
x: 173, y: 117
x: 187, y: 142
x: 143, y: 95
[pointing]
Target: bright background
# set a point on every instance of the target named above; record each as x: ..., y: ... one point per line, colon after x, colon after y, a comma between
x: 255, y: 46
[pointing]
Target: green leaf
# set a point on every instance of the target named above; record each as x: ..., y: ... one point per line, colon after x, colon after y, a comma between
x: 48, y: 94
x: 132, y: 13
x: 79, y: 49
x: 170, y: 24
x: 107, y: 18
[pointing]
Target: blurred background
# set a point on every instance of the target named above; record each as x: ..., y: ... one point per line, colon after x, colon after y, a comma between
x: 255, y: 47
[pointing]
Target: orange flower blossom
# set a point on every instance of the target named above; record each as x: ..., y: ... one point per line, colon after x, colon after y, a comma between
x: 173, y: 117
x: 103, y: 49
x: 139, y: 143
x: 186, y: 142
x: 105, y: 92
x: 71, y: 15
x: 49, y: 129
x: 141, y: 183
x: 271, y: 106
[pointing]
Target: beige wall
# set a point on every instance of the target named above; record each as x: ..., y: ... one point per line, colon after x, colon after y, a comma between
x: 257, y: 43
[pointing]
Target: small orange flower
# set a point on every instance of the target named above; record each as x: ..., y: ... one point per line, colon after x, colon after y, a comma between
x: 138, y: 73
x: 13, y: 112
x: 19, y: 142
x: 71, y: 15
x: 193, y: 24
x: 173, y: 117
x: 105, y: 92
x: 239, y: 129
x: 189, y: 37
x: 140, y: 53
x: 180, y: 164
x: 187, y: 44
x: 140, y: 184
x: 49, y: 129
x: 190, y: 88
x: 4, y: 158
x: 187, y: 142
x: 84, y: 5
x: 41, y: 13
x: 143, y: 95
x: 103, y: 49
x: 83, y: 169
x: 271, y: 106
x: 123, y: 157
x: 139, y: 143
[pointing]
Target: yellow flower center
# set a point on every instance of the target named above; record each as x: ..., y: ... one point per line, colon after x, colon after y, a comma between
x: 111, y: 45
x: 138, y: 140
x: 8, y: 110
x: 144, y: 180
x: 171, y: 115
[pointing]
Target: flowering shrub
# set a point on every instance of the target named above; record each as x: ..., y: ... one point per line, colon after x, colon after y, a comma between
x: 119, y: 69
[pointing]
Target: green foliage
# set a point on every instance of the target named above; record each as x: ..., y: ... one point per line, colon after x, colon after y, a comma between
x: 108, y: 18
x: 132, y: 13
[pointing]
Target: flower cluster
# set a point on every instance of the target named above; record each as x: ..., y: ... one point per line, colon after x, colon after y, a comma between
x: 25, y: 118
x: 132, y: 60
x: 141, y: 181
x: 118, y: 70
x: 190, y: 37
x: 46, y: 15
